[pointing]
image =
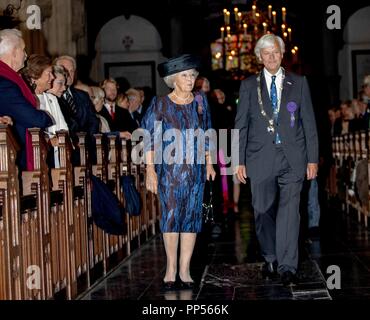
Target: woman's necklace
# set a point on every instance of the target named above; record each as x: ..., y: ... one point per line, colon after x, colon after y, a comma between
x: 182, y: 99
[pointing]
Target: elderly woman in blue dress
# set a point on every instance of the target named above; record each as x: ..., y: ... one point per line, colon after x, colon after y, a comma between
x: 178, y: 181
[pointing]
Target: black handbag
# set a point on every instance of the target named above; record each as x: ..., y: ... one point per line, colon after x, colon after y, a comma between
x: 207, y: 206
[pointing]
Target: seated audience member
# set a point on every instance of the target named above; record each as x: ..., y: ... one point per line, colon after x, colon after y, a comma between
x: 78, y: 108
x: 108, y: 111
x: 76, y: 104
x: 361, y: 106
x: 16, y: 99
x: 202, y: 84
x: 52, y: 105
x: 98, y: 96
x: 39, y: 73
x: 134, y: 99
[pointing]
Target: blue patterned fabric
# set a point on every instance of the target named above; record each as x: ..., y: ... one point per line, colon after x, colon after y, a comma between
x: 180, y: 186
x: 274, y: 103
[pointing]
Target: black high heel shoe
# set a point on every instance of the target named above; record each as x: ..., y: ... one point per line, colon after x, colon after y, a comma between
x: 168, y: 286
x: 186, y: 285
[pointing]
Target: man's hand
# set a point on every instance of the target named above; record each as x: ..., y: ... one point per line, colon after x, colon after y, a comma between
x: 241, y: 173
x: 312, y: 169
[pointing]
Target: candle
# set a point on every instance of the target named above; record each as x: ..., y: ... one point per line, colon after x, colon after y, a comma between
x: 245, y: 28
x: 285, y: 34
x: 270, y: 11
x: 225, y: 20
x: 290, y: 34
x: 264, y: 27
x: 274, y: 17
x: 228, y: 30
x: 240, y: 16
x: 222, y: 33
x: 236, y: 14
x: 283, y: 9
x: 283, y: 26
x: 228, y: 18
x: 254, y: 11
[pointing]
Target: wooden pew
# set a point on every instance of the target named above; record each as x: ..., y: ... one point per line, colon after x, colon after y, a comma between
x: 82, y: 212
x: 63, y: 181
x: 11, y: 265
x: 35, y: 223
x: 49, y: 246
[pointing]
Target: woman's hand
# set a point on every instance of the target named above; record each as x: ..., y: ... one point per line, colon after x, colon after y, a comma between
x: 54, y: 141
x: 6, y: 120
x: 211, y: 173
x: 151, y: 180
x: 125, y: 135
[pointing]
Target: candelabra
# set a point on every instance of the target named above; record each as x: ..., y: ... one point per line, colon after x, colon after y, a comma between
x: 234, y: 50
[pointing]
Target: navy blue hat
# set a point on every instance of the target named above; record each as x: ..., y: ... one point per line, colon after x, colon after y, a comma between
x: 178, y: 64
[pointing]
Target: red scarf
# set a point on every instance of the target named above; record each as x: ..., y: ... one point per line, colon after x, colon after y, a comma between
x: 9, y: 74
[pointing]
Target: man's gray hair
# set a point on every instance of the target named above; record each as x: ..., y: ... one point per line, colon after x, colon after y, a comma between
x: 68, y: 58
x: 266, y: 41
x: 9, y: 39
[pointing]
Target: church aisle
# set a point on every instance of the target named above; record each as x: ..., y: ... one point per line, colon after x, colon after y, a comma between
x: 228, y: 267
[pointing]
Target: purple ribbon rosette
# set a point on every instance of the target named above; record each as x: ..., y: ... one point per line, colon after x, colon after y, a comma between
x: 292, y: 108
x: 199, y: 100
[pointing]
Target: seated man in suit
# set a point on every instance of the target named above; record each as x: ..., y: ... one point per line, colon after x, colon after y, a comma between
x: 77, y: 108
x: 110, y: 109
x: 16, y: 99
x: 77, y: 103
x: 278, y: 145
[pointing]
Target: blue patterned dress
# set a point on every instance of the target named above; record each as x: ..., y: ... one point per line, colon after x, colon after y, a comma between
x: 180, y: 184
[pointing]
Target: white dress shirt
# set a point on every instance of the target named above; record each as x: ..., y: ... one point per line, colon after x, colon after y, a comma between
x: 278, y: 82
x: 108, y: 107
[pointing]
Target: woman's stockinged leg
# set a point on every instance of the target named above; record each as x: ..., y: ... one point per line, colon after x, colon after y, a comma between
x: 171, y: 241
x: 187, y: 243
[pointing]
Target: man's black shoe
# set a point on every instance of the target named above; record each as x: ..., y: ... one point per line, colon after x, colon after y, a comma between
x: 269, y: 270
x: 289, y: 279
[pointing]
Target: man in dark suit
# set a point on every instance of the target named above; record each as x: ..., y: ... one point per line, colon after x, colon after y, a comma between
x: 278, y: 146
x: 77, y: 108
x: 16, y: 99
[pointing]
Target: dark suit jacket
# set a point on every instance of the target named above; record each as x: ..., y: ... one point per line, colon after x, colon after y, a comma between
x: 85, y: 120
x: 23, y: 114
x: 105, y: 113
x: 256, y: 144
x: 86, y: 117
x: 122, y: 121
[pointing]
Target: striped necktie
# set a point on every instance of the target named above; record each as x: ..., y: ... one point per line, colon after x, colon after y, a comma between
x: 68, y: 97
x: 274, y: 103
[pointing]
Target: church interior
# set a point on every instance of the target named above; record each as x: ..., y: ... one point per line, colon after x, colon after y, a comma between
x: 54, y: 241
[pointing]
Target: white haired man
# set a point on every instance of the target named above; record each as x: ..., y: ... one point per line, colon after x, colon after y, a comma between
x: 16, y: 99
x: 77, y: 108
x: 278, y: 145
